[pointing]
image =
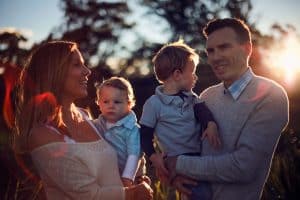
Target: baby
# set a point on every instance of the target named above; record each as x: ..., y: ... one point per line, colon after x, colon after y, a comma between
x: 119, y: 126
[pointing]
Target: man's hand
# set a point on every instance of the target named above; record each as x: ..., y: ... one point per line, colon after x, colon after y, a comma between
x: 180, y: 180
x: 177, y: 180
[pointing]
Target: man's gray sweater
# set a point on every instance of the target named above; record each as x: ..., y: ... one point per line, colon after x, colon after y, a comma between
x: 249, y: 129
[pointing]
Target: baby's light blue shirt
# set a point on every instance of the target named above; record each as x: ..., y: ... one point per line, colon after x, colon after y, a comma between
x: 124, y: 136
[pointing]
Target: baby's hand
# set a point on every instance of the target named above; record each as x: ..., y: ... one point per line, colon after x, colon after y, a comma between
x: 127, y: 182
x: 212, y: 134
x: 157, y: 160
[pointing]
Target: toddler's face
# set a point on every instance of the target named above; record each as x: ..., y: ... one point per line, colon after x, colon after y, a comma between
x: 113, y: 103
x: 188, y: 76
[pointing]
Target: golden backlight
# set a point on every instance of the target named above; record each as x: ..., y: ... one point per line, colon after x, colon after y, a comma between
x: 283, y: 59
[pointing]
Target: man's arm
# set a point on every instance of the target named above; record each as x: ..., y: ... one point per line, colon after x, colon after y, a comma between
x: 256, y: 144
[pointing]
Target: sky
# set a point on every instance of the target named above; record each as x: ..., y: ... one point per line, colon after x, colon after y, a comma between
x: 36, y: 18
x: 266, y: 12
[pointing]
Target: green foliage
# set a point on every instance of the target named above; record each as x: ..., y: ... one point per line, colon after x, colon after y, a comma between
x: 187, y: 18
x: 10, y: 50
x: 284, y: 178
x: 95, y: 25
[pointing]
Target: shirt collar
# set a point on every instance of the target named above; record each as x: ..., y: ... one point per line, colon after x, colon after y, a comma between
x: 167, y: 99
x: 238, y: 86
x: 129, y: 121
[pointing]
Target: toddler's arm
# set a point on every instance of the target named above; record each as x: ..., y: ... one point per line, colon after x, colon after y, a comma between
x: 208, y: 123
x: 203, y: 114
x: 147, y: 136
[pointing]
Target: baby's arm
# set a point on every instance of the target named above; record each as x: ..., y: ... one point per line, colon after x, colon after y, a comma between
x: 207, y: 121
x: 130, y: 169
x: 133, y: 148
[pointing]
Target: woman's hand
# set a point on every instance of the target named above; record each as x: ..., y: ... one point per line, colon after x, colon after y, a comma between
x: 126, y: 182
x: 141, y: 191
x: 142, y: 178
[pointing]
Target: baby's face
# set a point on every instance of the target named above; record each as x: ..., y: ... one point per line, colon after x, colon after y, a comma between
x: 113, y: 103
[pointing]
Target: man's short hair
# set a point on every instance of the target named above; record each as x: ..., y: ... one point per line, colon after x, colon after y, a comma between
x: 240, y: 28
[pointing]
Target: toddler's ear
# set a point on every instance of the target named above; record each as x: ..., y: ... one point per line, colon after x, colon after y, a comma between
x: 176, y: 74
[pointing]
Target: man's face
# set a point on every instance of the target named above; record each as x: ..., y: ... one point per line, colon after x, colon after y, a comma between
x: 227, y: 57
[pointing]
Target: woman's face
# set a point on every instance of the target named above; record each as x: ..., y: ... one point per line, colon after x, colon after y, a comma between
x: 76, y: 78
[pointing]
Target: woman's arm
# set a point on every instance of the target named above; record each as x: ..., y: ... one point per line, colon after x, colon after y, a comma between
x: 73, y: 178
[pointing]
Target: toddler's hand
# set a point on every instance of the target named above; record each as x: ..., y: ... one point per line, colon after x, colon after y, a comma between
x: 212, y: 134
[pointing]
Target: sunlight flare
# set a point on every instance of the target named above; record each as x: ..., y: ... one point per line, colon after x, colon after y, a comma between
x: 283, y: 59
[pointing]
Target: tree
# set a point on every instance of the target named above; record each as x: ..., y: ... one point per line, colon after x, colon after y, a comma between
x: 12, y: 58
x: 10, y: 50
x: 96, y: 26
x: 186, y: 19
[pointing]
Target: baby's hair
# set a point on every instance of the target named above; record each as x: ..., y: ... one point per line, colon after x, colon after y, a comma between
x: 119, y: 83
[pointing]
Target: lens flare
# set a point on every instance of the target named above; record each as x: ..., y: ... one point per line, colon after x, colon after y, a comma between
x: 282, y: 59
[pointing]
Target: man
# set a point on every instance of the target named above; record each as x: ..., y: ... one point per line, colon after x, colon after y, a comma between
x: 251, y: 112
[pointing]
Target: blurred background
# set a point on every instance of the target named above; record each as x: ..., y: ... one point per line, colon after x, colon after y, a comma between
x: 121, y: 37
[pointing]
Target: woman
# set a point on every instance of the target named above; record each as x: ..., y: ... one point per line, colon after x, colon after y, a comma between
x: 73, y: 160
